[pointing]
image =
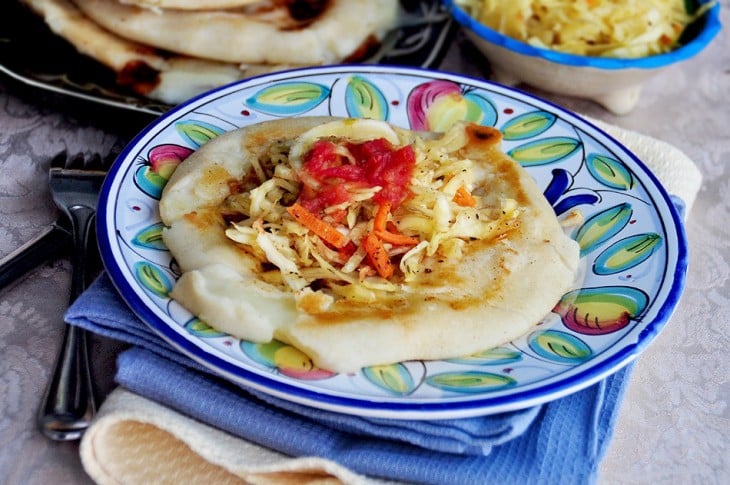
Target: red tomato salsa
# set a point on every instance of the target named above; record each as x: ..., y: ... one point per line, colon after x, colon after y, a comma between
x: 331, y: 168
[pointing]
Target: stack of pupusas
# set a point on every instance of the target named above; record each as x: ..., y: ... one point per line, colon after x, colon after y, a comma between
x: 170, y: 50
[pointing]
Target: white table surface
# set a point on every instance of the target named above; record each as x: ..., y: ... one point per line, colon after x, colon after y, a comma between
x: 673, y: 426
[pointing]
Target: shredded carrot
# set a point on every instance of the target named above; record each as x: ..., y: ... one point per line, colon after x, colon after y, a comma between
x: 464, y: 198
x: 381, y: 217
x: 377, y: 255
x: 396, y: 238
x: 325, y: 231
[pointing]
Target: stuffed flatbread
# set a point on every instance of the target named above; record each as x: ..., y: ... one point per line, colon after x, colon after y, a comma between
x: 364, y: 244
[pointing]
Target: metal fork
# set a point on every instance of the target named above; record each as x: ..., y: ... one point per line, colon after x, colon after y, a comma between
x: 69, y: 403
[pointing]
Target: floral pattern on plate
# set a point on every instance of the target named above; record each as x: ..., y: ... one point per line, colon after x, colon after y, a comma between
x: 631, y: 239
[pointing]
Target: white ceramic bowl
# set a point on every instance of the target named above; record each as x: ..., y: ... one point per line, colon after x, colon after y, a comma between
x: 613, y: 83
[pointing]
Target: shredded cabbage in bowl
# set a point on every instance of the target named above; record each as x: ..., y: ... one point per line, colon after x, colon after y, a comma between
x: 596, y: 28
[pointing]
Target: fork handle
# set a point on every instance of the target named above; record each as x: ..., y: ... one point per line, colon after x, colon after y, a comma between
x: 69, y: 403
x: 82, y: 220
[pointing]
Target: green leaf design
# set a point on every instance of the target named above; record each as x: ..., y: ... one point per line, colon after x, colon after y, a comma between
x: 545, y: 151
x: 149, y: 182
x: 610, y: 172
x: 197, y: 133
x: 289, y: 98
x: 263, y: 353
x: 602, y: 227
x: 560, y: 347
x: 528, y: 125
x: 153, y: 279
x: 364, y: 100
x: 201, y: 329
x: 627, y: 253
x: 393, y: 378
x: 286, y: 359
x: 496, y: 356
x: 480, y: 109
x: 150, y: 237
x: 470, y: 382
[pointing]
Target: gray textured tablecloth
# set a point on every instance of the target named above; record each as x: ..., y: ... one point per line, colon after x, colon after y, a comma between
x: 674, y: 425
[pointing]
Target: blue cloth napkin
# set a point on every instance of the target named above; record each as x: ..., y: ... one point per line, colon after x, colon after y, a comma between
x: 559, y: 442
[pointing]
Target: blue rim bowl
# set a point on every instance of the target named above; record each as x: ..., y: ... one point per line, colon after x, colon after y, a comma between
x: 611, y: 82
x: 701, y: 33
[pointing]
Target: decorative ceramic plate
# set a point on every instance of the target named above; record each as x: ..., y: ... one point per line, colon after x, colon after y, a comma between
x: 631, y: 239
x: 31, y: 54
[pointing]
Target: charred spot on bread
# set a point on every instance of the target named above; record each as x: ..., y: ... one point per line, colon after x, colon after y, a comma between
x: 483, y: 135
x: 306, y: 10
x: 139, y: 76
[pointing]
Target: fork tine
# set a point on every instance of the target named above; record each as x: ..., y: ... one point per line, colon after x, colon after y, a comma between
x: 59, y: 161
x: 80, y: 161
x: 76, y: 161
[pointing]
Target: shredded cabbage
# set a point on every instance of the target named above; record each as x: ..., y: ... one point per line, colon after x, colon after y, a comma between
x: 598, y: 28
x: 260, y: 224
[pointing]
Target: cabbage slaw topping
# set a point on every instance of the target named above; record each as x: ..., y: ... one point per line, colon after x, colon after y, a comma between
x: 353, y: 209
